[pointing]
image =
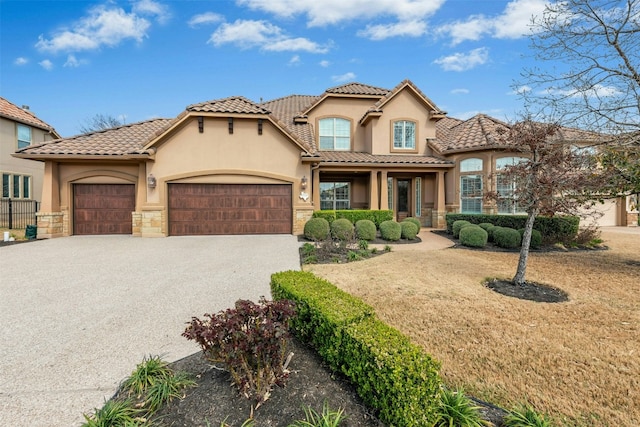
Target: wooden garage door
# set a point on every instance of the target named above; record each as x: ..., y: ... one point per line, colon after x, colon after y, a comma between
x: 203, y: 209
x: 103, y: 208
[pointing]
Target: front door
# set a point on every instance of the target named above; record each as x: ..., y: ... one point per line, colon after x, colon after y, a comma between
x: 404, y: 202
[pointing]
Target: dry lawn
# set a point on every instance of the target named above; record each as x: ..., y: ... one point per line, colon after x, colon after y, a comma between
x: 578, y: 361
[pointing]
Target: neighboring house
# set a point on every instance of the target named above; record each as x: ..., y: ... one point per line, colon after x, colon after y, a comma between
x: 20, y: 128
x: 232, y: 166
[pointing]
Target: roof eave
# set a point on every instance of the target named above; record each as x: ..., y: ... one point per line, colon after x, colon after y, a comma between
x: 44, y: 157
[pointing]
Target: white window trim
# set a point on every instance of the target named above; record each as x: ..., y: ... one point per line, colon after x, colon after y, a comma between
x: 404, y: 142
x: 418, y: 212
x: 480, y: 197
x: 320, y: 136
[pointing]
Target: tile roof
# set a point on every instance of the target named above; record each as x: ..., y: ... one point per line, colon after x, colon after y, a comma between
x: 286, y: 109
x: 13, y: 112
x: 377, y: 107
x: 118, y: 141
x: 478, y: 132
x: 358, y: 89
x: 350, y: 157
x: 233, y: 104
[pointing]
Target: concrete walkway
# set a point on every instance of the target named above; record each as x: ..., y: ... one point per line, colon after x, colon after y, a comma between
x: 77, y: 314
x: 429, y: 242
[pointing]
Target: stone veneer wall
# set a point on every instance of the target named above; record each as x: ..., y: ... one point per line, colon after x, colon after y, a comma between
x: 632, y: 219
x: 148, y: 223
x: 50, y: 224
x: 301, y: 216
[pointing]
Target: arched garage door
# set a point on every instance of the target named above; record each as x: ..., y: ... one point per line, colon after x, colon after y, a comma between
x: 204, y: 209
x: 103, y: 208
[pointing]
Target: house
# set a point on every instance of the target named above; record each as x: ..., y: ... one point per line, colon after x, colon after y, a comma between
x: 233, y: 166
x: 20, y: 128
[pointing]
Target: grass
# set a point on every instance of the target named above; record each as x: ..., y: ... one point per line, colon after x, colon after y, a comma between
x: 576, y: 361
x: 457, y: 410
x: 327, y: 418
x: 16, y: 233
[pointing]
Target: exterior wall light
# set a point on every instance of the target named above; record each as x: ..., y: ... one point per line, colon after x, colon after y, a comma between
x: 151, y: 181
x: 303, y: 182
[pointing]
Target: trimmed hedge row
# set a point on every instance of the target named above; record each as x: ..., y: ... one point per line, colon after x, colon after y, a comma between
x: 377, y: 216
x: 558, y: 228
x: 391, y: 375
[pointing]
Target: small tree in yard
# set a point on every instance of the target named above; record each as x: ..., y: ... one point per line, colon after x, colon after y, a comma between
x: 554, y: 179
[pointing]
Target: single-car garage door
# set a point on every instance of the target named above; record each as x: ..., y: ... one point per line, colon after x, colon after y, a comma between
x: 103, y: 208
x: 203, y: 209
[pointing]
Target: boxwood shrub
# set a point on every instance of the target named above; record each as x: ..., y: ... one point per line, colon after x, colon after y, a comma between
x: 366, y: 229
x: 390, y: 374
x: 355, y: 215
x: 316, y: 229
x: 342, y: 229
x: 536, y: 238
x: 415, y: 221
x: 559, y: 228
x: 506, y: 237
x: 455, y: 229
x: 408, y: 230
x: 390, y: 230
x: 473, y: 236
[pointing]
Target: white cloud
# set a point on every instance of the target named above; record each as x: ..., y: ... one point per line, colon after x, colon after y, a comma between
x: 324, y: 63
x: 460, y: 91
x: 73, y: 62
x: 295, y: 60
x: 205, y: 18
x: 262, y: 34
x: 384, y: 31
x: 21, y: 61
x: 513, y: 22
x: 520, y: 90
x: 344, y: 77
x: 597, y: 91
x: 152, y: 8
x: 464, y: 61
x: 46, y: 64
x: 102, y: 27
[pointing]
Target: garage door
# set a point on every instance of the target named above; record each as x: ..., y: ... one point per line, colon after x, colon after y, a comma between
x: 203, y: 209
x: 103, y: 208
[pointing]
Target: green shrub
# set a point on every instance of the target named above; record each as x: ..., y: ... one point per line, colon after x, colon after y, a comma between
x: 390, y: 230
x: 415, y: 221
x: 342, y: 229
x: 114, y: 413
x: 456, y: 409
x: 390, y: 374
x: 485, y: 225
x: 525, y: 416
x: 316, y: 229
x: 329, y: 215
x: 473, y: 236
x: 328, y: 417
x: 408, y: 230
x: 366, y: 229
x: 536, y: 238
x: 506, y: 237
x: 355, y: 215
x: 457, y: 226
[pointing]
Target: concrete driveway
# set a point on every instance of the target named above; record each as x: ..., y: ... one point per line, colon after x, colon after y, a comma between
x: 77, y: 314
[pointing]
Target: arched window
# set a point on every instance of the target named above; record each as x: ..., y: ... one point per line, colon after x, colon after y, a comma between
x: 508, y: 202
x: 471, y: 185
x: 334, y: 134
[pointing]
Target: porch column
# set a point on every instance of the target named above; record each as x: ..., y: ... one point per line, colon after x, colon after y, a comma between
x: 50, y: 197
x: 374, y: 203
x: 384, y: 193
x: 315, y: 190
x: 439, y: 212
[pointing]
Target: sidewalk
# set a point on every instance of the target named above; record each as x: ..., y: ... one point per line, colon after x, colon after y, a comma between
x: 430, y: 242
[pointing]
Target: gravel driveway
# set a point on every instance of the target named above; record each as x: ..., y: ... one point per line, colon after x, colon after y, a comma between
x: 78, y: 313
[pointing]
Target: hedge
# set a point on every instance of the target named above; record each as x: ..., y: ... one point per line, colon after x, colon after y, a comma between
x: 391, y: 375
x: 553, y: 229
x: 376, y: 216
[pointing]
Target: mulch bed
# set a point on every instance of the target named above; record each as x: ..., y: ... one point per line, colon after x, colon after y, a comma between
x: 529, y: 291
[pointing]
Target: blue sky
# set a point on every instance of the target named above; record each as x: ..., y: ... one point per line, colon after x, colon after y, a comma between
x: 136, y: 60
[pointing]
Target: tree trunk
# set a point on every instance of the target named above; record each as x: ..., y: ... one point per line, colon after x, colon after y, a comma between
x: 519, y: 278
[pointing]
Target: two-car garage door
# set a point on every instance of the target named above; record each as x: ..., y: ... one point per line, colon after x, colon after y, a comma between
x: 203, y: 209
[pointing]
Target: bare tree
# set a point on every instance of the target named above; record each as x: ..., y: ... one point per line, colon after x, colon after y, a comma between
x: 593, y: 47
x: 100, y: 122
x: 554, y: 179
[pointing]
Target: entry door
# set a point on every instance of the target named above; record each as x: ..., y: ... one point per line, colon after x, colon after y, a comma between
x: 404, y: 199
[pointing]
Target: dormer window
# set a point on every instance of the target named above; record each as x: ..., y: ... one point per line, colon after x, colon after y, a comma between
x: 404, y: 135
x: 335, y: 134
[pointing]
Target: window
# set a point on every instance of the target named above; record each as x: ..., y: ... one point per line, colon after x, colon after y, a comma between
x: 506, y: 187
x: 335, y: 195
x: 404, y: 135
x: 24, y: 136
x: 471, y: 165
x: 418, y: 197
x: 471, y: 194
x: 16, y: 186
x: 335, y: 134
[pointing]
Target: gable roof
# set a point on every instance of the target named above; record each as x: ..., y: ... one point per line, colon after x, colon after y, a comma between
x: 478, y: 132
x: 347, y: 90
x: 122, y: 141
x: 11, y: 111
x: 233, y: 104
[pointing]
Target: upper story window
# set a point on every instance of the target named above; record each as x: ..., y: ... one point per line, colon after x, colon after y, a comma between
x: 24, y: 136
x: 471, y: 165
x: 335, y: 134
x: 503, y: 162
x: 404, y: 135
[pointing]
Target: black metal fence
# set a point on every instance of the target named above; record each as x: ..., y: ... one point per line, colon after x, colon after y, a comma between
x: 16, y: 213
